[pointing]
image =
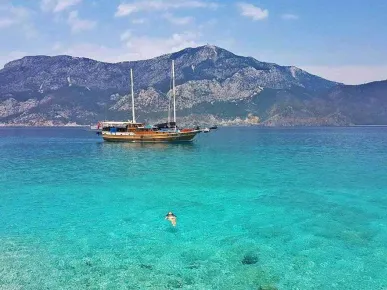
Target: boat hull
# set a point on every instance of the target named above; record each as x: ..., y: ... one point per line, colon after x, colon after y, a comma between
x: 151, y: 137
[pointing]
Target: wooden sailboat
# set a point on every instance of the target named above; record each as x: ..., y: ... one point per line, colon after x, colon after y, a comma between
x: 131, y: 131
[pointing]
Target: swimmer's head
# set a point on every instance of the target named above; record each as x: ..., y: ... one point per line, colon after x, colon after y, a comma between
x: 171, y: 217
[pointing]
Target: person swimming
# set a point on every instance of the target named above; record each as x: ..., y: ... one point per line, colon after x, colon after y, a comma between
x: 171, y: 217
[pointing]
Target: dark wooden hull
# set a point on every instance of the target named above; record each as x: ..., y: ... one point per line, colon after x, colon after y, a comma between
x: 151, y: 137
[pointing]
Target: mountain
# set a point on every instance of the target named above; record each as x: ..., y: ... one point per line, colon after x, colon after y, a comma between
x: 213, y: 85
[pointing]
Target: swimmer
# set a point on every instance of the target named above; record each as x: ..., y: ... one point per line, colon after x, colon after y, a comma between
x: 171, y: 217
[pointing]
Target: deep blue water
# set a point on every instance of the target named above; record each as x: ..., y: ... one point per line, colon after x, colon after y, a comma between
x: 288, y: 208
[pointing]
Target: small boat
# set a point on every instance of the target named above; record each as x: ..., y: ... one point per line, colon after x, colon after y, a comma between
x: 132, y: 131
x: 206, y: 130
x: 214, y: 127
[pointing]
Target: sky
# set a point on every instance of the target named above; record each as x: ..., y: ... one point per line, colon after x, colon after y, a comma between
x: 341, y: 40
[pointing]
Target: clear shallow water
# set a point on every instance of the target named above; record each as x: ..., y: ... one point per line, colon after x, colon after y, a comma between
x: 308, y: 206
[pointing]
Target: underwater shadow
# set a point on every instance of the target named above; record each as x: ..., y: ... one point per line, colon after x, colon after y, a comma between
x: 172, y: 230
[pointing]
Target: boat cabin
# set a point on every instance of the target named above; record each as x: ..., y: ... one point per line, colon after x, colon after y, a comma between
x: 114, y: 126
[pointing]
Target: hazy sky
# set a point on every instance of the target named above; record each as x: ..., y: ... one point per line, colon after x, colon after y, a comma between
x: 342, y: 40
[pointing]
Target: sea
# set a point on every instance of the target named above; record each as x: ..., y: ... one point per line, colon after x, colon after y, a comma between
x: 256, y: 208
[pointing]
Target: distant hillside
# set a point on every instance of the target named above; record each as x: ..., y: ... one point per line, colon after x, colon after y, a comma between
x: 213, y: 86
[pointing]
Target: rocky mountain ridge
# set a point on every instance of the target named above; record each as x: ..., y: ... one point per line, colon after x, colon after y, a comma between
x: 213, y: 86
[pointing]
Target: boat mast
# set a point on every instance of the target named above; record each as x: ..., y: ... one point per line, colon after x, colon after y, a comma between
x: 169, y: 110
x: 131, y: 86
x: 169, y: 104
x: 173, y: 91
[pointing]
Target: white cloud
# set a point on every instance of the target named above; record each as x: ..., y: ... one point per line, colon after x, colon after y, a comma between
x: 19, y: 12
x: 64, y: 4
x: 178, y: 20
x: 58, y: 5
x: 143, y: 47
x: 11, y: 15
x: 78, y: 24
x: 289, y: 16
x: 17, y: 16
x: 94, y: 51
x: 6, y: 22
x: 351, y: 74
x: 125, y: 9
x: 253, y: 12
x: 133, y: 47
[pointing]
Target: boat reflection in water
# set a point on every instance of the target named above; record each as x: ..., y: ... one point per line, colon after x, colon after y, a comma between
x: 189, y: 146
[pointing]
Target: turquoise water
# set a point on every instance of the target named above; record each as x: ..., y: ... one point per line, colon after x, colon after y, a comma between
x: 284, y: 208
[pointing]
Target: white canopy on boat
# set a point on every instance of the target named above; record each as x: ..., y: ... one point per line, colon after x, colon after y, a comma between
x: 115, y: 123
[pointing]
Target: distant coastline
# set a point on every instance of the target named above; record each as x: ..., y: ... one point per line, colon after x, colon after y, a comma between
x: 40, y: 126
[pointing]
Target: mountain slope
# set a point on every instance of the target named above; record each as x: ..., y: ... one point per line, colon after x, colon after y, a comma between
x: 46, y: 73
x: 213, y: 85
